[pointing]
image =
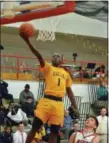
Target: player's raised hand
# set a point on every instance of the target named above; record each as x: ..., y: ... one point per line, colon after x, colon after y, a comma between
x: 24, y: 37
x: 75, y: 111
x: 26, y: 31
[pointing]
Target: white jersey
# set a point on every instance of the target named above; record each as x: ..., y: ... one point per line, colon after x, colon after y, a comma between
x: 82, y: 137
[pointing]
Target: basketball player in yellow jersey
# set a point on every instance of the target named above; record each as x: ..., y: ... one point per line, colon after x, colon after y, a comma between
x: 51, y: 108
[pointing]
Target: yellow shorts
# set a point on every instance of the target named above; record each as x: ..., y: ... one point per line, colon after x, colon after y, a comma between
x: 50, y: 111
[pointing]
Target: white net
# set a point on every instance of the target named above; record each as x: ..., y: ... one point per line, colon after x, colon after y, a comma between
x: 46, y: 36
x: 47, y: 33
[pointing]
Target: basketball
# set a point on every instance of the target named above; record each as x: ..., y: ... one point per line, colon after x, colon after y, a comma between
x: 27, y: 30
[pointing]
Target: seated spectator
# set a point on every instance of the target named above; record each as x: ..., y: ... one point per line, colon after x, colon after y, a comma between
x: 102, y: 129
x: 77, y: 73
x: 39, y: 135
x: 85, y: 73
x: 87, y: 135
x: 23, y: 68
x: 74, y: 129
x: 102, y: 92
x: 16, y: 115
x: 27, y: 101
x: 3, y: 116
x: 67, y: 124
x: 100, y: 71
x: 20, y: 136
x: 4, y: 91
x: 6, y: 136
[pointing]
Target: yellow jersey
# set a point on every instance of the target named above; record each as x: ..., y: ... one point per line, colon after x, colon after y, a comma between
x: 56, y: 80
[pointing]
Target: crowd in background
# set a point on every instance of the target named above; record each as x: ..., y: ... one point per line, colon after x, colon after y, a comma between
x: 20, y: 115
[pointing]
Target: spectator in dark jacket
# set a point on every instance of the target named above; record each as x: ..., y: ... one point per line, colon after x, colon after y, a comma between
x: 4, y: 91
x: 6, y: 136
x: 27, y: 101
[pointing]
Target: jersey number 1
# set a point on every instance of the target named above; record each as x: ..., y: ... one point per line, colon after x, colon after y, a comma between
x: 58, y: 81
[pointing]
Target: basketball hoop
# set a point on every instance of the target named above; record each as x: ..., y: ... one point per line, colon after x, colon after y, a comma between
x: 48, y: 33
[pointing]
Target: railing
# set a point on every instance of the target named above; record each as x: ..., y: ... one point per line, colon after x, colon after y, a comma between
x: 29, y: 65
x: 92, y: 90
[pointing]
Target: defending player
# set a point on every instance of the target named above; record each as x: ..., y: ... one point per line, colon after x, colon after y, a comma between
x: 87, y: 135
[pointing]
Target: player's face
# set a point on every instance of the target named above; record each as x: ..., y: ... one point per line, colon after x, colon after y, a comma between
x: 56, y: 59
x: 91, y: 123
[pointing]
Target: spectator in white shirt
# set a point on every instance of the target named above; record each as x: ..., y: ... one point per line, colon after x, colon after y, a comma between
x: 16, y: 115
x: 102, y: 128
x: 20, y: 136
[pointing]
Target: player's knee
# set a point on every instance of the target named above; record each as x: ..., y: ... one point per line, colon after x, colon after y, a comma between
x: 37, y: 123
x: 55, y: 129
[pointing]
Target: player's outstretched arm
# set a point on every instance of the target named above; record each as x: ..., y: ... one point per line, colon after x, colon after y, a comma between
x: 34, y: 51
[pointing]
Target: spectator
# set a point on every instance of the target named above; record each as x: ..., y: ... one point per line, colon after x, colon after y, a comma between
x: 77, y: 73
x: 100, y: 71
x: 3, y: 116
x: 4, y: 91
x: 85, y: 73
x: 74, y: 129
x: 87, y: 135
x: 67, y: 124
x: 102, y: 92
x: 6, y: 136
x: 39, y: 135
x: 16, y: 115
x: 23, y: 68
x: 20, y: 136
x: 102, y: 128
x: 27, y: 101
x: 46, y: 137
